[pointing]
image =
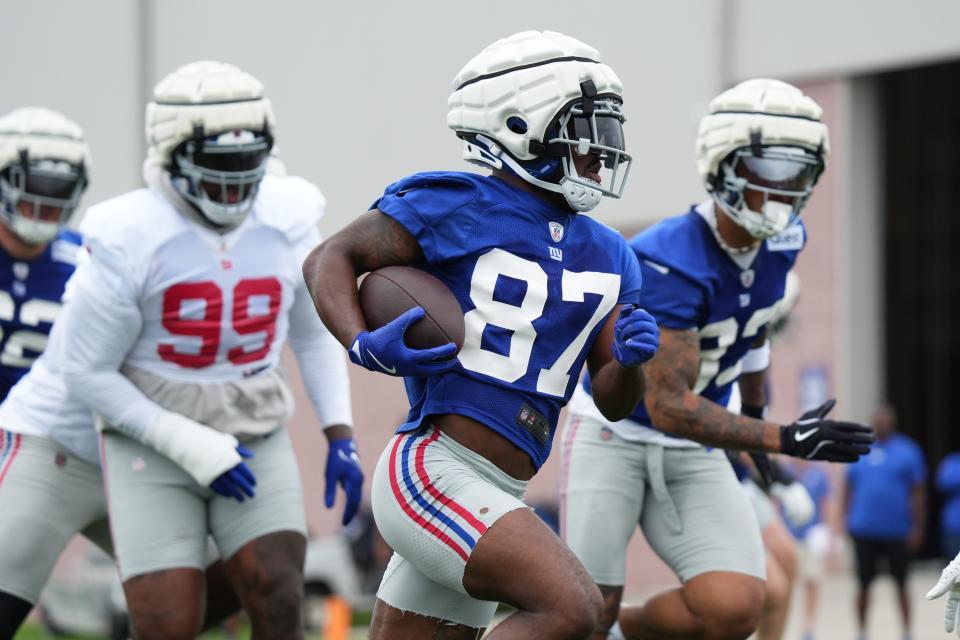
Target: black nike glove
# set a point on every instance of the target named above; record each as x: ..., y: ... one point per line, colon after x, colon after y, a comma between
x: 814, y: 438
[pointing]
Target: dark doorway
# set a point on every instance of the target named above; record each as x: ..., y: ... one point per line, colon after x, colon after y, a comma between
x: 921, y: 125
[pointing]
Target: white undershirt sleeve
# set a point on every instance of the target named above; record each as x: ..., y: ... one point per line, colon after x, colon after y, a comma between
x: 321, y: 358
x: 101, y: 323
x: 757, y: 359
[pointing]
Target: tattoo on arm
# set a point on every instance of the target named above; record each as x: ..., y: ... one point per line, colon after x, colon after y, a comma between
x: 674, y: 408
x: 372, y: 241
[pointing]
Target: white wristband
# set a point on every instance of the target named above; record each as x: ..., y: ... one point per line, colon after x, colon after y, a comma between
x: 756, y: 359
x: 203, y: 452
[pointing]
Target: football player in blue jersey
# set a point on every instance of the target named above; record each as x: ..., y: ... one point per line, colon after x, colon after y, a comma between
x: 544, y: 288
x: 43, y: 173
x: 712, y: 278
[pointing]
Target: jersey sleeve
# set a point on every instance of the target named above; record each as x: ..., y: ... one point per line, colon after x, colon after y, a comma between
x: 631, y: 279
x: 435, y: 212
x: 320, y: 357
x: 101, y: 322
x: 671, y: 298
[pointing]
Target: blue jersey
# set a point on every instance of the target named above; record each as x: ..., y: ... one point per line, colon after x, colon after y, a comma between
x: 535, y: 282
x: 881, y: 485
x: 30, y: 293
x: 691, y: 282
x: 948, y: 483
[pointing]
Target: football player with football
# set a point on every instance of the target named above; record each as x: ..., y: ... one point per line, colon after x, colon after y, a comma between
x: 712, y: 278
x: 544, y: 289
x: 174, y: 326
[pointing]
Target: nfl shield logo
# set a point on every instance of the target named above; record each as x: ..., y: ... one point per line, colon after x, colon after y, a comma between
x: 746, y: 278
x: 556, y: 231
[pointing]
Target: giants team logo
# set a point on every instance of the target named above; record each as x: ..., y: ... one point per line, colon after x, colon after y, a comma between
x: 556, y: 231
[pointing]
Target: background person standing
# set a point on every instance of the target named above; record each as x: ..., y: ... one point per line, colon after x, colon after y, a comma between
x: 948, y: 483
x: 885, y: 507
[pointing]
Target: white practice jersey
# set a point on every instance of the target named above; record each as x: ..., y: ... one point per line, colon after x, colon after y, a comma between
x: 40, y: 405
x: 215, y: 307
x: 169, y: 297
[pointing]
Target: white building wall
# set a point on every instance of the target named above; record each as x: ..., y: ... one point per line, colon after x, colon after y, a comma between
x: 819, y: 38
x: 80, y: 58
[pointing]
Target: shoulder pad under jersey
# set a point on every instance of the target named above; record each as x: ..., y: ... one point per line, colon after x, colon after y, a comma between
x: 290, y: 204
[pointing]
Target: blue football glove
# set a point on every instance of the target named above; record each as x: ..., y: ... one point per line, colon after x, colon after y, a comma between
x: 383, y: 350
x: 237, y: 482
x: 343, y: 467
x: 635, y: 337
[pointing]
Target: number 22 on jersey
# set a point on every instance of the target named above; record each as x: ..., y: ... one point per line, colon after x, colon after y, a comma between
x: 19, y: 344
x: 726, y: 331
x: 519, y: 319
x: 195, y: 309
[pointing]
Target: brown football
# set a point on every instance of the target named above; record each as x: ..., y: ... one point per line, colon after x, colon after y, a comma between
x: 386, y: 293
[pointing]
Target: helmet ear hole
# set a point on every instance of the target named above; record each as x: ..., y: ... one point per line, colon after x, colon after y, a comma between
x: 517, y: 125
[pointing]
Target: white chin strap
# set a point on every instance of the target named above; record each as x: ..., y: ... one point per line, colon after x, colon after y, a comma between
x: 580, y: 197
x: 34, y: 231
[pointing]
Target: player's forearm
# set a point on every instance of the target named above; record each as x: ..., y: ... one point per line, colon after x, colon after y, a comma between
x: 752, y: 389
x: 617, y: 390
x: 331, y: 278
x: 696, y: 418
x: 111, y: 395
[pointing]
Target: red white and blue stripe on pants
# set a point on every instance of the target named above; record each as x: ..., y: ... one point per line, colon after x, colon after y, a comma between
x: 442, y: 517
x: 9, y: 448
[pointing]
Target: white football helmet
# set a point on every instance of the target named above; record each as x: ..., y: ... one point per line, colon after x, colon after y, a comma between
x: 210, y: 126
x: 765, y: 136
x: 529, y: 102
x: 43, y: 172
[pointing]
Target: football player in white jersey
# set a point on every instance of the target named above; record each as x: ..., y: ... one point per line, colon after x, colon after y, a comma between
x: 50, y: 482
x: 175, y: 327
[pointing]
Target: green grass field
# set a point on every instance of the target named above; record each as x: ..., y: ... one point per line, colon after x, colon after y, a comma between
x: 34, y: 632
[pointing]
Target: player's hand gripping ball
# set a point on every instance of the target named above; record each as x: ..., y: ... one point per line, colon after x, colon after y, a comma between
x: 635, y: 337
x: 416, y: 324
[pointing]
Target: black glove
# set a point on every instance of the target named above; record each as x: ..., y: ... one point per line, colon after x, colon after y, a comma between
x: 770, y: 471
x: 814, y: 438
